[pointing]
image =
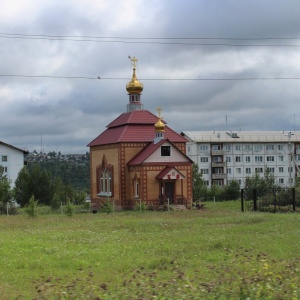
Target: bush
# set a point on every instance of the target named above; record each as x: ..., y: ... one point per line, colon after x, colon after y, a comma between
x: 31, y: 208
x: 69, y: 209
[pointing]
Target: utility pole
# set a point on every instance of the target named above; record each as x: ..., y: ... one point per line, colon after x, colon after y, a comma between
x: 290, y: 158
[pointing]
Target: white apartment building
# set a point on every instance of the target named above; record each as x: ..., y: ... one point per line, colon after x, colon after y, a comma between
x: 223, y: 156
x: 11, y: 160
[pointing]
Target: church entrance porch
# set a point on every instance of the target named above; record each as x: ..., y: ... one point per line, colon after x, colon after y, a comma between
x: 169, y: 190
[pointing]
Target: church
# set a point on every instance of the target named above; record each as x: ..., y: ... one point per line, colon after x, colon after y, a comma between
x: 138, y: 158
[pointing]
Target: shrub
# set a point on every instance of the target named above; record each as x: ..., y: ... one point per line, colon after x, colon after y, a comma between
x: 69, y: 209
x: 31, y: 208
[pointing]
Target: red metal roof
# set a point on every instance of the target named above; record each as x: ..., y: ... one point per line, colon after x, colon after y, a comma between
x: 135, y: 126
x: 145, y: 153
x: 134, y: 117
x: 165, y: 171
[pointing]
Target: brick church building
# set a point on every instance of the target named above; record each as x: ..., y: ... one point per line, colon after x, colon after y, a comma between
x: 139, y: 158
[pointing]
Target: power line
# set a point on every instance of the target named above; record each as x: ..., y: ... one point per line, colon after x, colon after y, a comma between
x: 153, y: 40
x: 151, y: 79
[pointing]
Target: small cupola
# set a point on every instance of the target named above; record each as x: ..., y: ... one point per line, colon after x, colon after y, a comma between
x: 134, y: 89
x: 159, y: 127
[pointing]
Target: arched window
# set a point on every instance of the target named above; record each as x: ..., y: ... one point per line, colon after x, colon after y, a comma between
x: 136, y: 186
x: 104, y: 179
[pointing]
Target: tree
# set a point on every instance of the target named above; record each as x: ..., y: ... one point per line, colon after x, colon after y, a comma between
x: 261, y: 184
x: 5, y: 190
x: 232, y: 191
x: 199, y: 189
x: 22, y: 189
x: 55, y: 202
x: 40, y: 183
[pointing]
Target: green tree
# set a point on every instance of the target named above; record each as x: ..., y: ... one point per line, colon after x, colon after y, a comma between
x: 55, y: 202
x: 40, y: 182
x: 31, y: 208
x: 79, y: 197
x: 261, y: 184
x: 232, y: 191
x: 199, y: 188
x: 22, y: 189
x: 5, y: 191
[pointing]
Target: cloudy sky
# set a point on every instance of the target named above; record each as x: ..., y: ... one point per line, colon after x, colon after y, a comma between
x: 201, y: 60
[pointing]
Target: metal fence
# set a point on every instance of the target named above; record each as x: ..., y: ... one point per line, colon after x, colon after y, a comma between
x: 270, y: 200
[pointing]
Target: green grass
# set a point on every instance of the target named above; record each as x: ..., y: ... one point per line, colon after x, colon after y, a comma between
x: 217, y: 253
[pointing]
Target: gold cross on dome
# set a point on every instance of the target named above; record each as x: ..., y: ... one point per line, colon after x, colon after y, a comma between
x: 159, y: 110
x: 133, y: 60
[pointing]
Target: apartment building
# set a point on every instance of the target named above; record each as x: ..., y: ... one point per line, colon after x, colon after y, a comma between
x: 223, y: 156
x: 11, y: 160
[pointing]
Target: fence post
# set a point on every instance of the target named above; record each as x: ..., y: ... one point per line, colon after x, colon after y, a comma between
x: 242, y: 200
x: 254, y: 200
x: 275, y: 201
x: 294, y: 199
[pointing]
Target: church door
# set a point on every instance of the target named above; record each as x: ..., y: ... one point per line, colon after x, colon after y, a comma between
x: 169, y: 191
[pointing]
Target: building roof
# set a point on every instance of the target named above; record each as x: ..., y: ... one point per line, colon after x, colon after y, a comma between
x: 241, y: 136
x: 149, y: 149
x: 134, y: 126
x: 145, y: 153
x: 13, y: 147
x: 168, y: 170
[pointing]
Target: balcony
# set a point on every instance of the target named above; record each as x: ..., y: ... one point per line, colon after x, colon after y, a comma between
x: 217, y: 152
x: 218, y: 176
x: 216, y: 164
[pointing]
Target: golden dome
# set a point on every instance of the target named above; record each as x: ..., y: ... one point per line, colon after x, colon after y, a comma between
x: 159, y: 126
x: 134, y: 86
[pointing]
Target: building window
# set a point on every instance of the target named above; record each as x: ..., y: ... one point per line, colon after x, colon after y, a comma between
x: 204, y: 159
x: 104, y: 179
x: 217, y: 182
x: 270, y: 158
x: 227, y: 147
x: 258, y: 147
x: 189, y: 148
x: 228, y: 170
x: 259, y: 170
x: 238, y: 158
x: 204, y: 171
x: 217, y: 171
x: 248, y: 147
x: 136, y: 186
x: 280, y: 147
x: 298, y: 147
x: 271, y: 170
x: 298, y: 157
x: 217, y: 158
x: 202, y: 148
x: 205, y: 182
x: 165, y: 150
x: 4, y: 158
x: 228, y: 159
x: 258, y: 158
x: 238, y: 147
x: 216, y: 147
x: 270, y: 147
x: 280, y: 157
x: 248, y: 170
x: 281, y: 180
x: 238, y: 170
x: 4, y: 169
x: 290, y: 169
x: 280, y: 169
x: 248, y: 159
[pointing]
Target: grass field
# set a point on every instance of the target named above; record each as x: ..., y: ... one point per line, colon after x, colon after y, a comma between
x: 217, y: 253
